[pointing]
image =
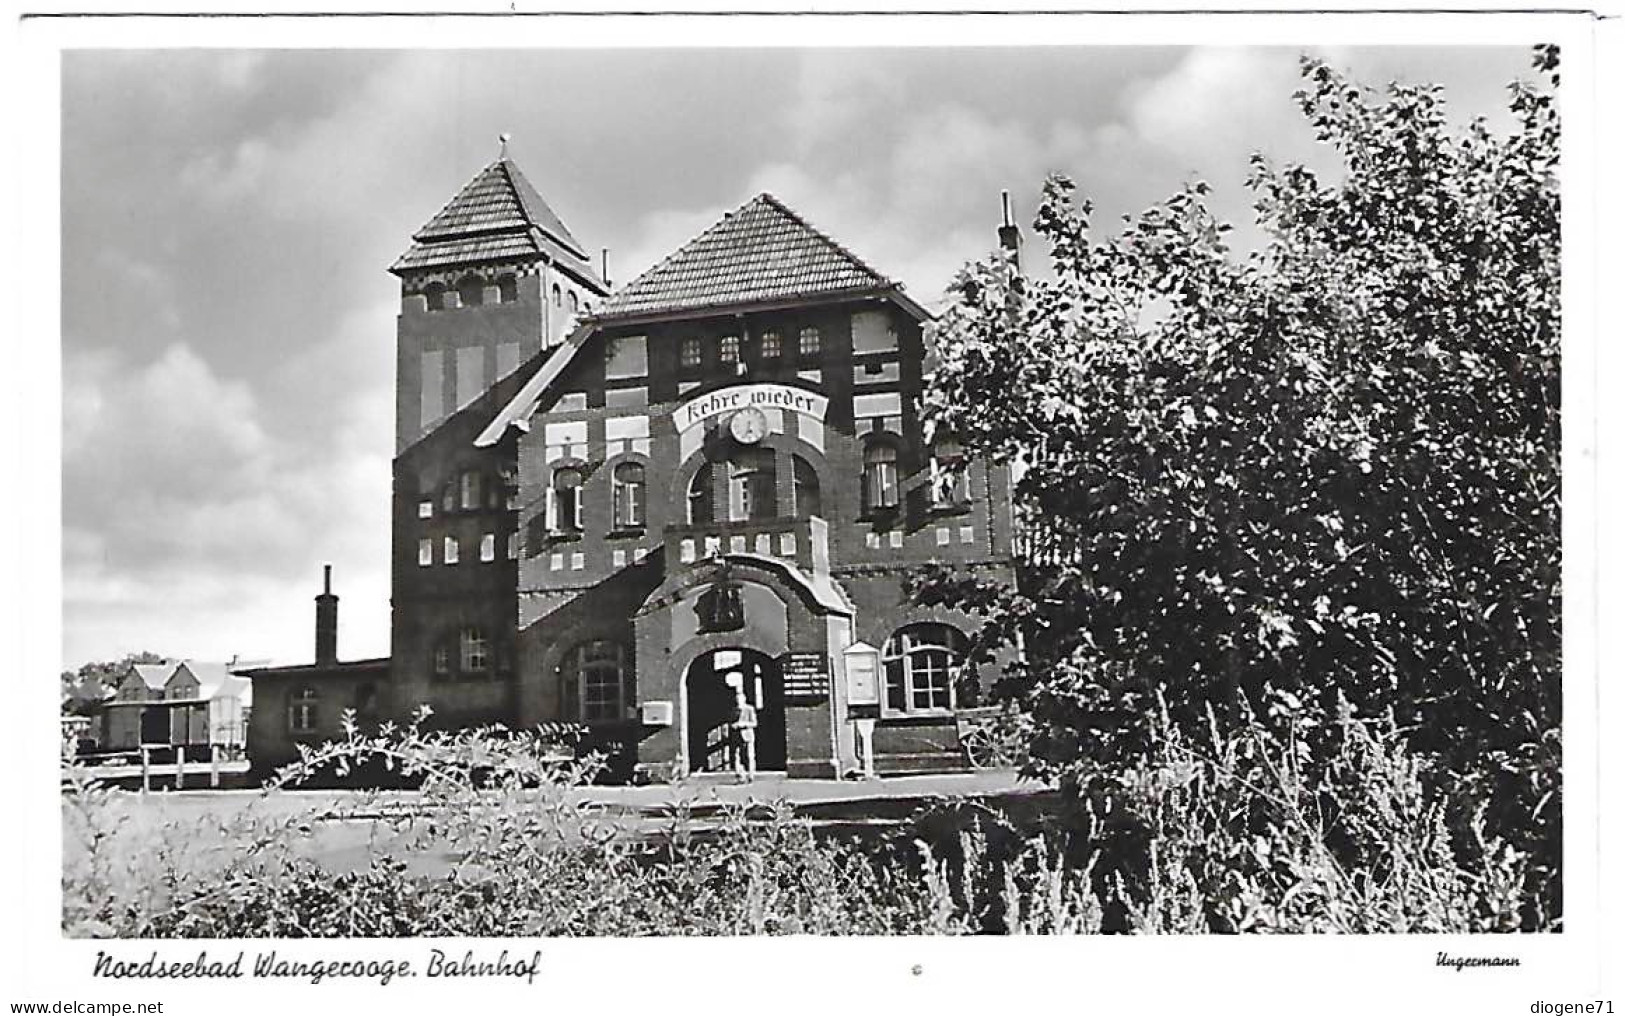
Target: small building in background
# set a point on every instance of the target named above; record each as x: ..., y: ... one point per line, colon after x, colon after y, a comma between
x: 176, y: 704
x: 306, y: 703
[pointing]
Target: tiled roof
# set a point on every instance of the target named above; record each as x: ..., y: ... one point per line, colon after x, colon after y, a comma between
x: 497, y: 215
x: 154, y: 675
x: 761, y: 251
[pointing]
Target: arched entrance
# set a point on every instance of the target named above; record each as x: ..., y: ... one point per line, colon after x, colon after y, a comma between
x: 710, y: 708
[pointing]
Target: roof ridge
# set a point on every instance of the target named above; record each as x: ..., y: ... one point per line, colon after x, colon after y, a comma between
x: 520, y: 183
x: 685, y: 245
x: 832, y: 266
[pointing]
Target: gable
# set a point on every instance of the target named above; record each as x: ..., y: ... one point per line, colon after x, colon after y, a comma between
x: 762, y: 252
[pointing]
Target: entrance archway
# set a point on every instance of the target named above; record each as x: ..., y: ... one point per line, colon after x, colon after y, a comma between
x: 710, y: 708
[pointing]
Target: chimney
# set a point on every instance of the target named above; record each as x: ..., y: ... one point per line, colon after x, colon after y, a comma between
x: 327, y: 621
x: 1009, y: 232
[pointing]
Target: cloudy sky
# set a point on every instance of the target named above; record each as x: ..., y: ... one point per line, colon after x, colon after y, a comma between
x: 227, y: 218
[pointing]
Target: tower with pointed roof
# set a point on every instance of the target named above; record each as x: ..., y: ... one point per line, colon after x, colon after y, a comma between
x: 494, y: 277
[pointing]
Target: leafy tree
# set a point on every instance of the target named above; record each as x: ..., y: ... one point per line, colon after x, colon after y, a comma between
x: 1318, y: 478
x: 83, y: 690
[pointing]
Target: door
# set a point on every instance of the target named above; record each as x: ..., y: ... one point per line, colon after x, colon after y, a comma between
x: 711, y: 709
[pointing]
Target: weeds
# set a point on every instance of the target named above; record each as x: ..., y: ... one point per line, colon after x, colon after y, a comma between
x: 1235, y: 834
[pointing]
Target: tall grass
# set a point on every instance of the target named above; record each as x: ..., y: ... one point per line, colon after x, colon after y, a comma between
x: 1228, y: 835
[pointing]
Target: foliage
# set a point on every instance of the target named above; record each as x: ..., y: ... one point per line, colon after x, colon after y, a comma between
x: 83, y: 690
x: 1327, y: 470
x: 500, y: 841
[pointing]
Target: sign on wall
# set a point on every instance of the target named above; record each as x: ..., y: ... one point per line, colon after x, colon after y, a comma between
x: 806, y: 677
x: 760, y: 396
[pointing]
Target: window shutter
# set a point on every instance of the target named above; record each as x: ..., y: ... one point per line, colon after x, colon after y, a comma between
x: 552, y: 510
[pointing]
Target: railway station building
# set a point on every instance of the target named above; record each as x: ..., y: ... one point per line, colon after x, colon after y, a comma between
x: 608, y: 501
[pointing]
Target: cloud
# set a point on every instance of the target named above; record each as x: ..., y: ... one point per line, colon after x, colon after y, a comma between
x: 179, y: 507
x: 229, y: 326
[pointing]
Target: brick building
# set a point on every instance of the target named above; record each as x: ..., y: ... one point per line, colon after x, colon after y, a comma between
x: 607, y: 502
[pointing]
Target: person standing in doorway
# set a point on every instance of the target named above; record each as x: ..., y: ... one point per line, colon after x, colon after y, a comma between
x: 744, y: 724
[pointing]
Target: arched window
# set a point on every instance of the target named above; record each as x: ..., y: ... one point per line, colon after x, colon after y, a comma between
x: 473, y: 650
x: 302, y: 711
x: 950, y: 475
x: 508, y: 288
x: 699, y: 497
x: 629, y: 496
x: 571, y: 302
x: 565, y: 500
x: 809, y: 502
x: 921, y: 661
x: 597, y: 679
x: 879, y: 477
x: 558, y: 295
x: 470, y: 491
x: 471, y: 291
x: 751, y: 488
x: 434, y: 295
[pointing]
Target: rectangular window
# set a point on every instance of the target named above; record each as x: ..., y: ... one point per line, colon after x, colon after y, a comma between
x: 950, y: 483
x: 425, y: 553
x: 770, y: 345
x: 728, y: 349
x: 450, y: 551
x: 426, y: 509
x: 513, y: 545
x: 872, y: 332
x: 693, y: 352
x: 931, y: 681
x: 811, y: 342
x: 470, y: 488
x: 488, y: 547
x: 627, y: 357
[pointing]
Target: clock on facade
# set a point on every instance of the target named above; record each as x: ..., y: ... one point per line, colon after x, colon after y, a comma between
x: 748, y: 426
